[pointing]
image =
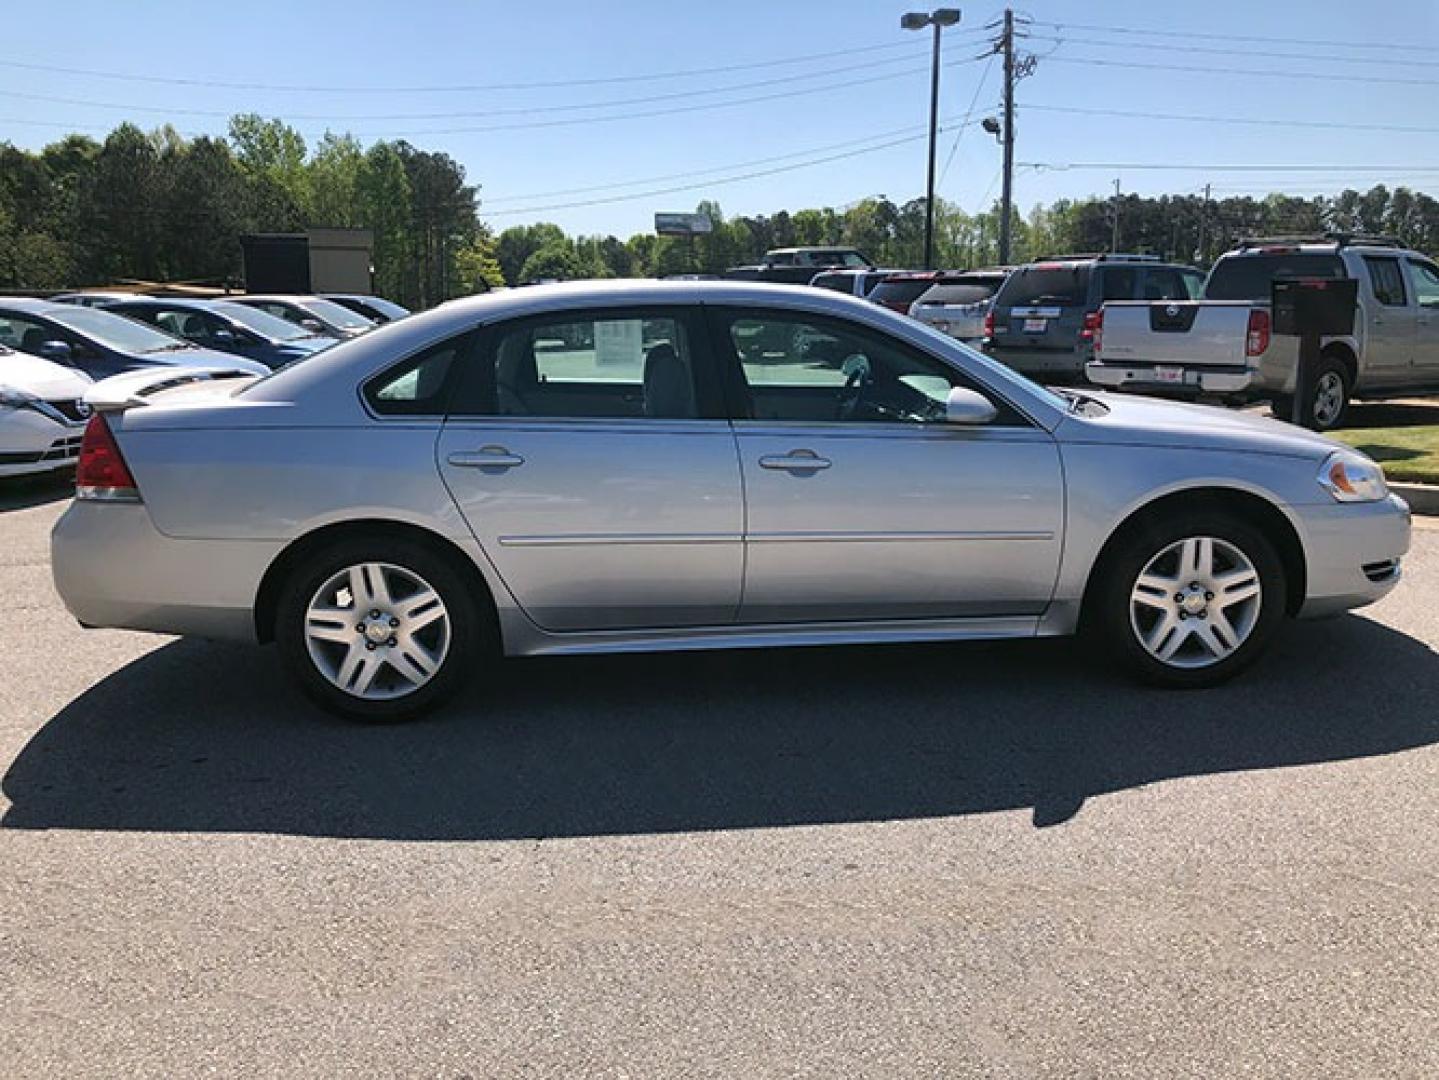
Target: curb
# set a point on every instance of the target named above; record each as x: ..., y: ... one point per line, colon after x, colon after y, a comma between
x: 1422, y: 498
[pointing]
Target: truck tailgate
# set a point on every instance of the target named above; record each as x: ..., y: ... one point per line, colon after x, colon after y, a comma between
x: 1183, y: 332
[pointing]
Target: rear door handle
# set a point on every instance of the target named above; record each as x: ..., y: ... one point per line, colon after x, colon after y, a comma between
x: 795, y: 461
x: 486, y: 457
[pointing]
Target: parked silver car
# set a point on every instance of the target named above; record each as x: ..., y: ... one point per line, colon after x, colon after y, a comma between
x: 612, y: 466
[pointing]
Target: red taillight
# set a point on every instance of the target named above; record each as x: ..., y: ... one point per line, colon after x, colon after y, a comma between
x: 1092, y: 329
x: 102, y: 472
x: 1256, y: 339
x: 989, y: 323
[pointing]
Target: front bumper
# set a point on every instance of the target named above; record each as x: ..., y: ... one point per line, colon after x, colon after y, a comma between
x: 1192, y: 380
x: 1353, y: 553
x: 31, y: 442
x: 113, y: 568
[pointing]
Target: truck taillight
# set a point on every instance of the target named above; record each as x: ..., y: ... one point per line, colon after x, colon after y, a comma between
x: 102, y: 473
x: 989, y: 323
x: 1256, y: 339
x: 1093, y: 328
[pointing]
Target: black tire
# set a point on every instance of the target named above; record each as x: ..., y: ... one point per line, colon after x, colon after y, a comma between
x: 1109, y: 621
x: 1281, y: 407
x: 1329, y: 368
x: 467, y: 639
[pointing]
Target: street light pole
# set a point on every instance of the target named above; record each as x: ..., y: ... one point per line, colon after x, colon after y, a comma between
x: 918, y: 20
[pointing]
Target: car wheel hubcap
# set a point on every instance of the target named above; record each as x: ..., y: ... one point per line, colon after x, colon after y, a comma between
x: 1328, y: 398
x: 377, y: 631
x: 1196, y: 602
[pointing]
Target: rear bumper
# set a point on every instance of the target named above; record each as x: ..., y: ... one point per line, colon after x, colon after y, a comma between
x: 1193, y: 380
x: 113, y: 568
x: 1353, y: 553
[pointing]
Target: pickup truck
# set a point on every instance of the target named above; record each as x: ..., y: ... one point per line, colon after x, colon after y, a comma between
x: 1223, y: 346
x: 799, y: 265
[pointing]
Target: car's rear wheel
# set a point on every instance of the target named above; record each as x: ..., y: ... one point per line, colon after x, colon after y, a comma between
x: 378, y: 631
x: 1329, y: 396
x: 1192, y: 600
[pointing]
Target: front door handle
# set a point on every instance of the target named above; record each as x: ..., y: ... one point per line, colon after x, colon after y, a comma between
x: 795, y: 461
x: 486, y: 457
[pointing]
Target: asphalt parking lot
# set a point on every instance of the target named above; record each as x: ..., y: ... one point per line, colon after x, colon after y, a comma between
x: 906, y: 861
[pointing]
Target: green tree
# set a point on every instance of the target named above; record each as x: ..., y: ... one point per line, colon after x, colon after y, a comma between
x: 558, y: 260
x: 516, y: 244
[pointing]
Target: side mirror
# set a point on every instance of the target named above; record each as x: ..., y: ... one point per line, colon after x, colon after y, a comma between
x: 968, y: 407
x: 58, y: 351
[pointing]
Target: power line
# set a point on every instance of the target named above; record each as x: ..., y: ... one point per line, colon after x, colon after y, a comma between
x: 705, y: 184
x: 1267, y: 122
x: 462, y: 87
x: 554, y: 193
x: 1236, y: 167
x: 474, y: 114
x: 1256, y: 72
x: 954, y: 147
x: 1191, y: 34
x: 1231, y: 51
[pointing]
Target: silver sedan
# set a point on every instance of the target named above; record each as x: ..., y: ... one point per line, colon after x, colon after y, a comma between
x: 628, y: 466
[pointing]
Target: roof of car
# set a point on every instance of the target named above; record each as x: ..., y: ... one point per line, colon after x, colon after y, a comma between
x: 289, y: 298
x: 167, y: 301
x: 35, y: 305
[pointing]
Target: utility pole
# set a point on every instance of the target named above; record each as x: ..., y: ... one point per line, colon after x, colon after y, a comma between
x: 1114, y: 234
x: 1006, y: 198
x: 1203, y: 221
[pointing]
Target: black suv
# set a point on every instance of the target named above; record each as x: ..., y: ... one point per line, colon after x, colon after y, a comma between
x: 1044, y: 316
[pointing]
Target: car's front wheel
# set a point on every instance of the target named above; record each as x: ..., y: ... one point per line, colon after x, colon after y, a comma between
x: 1192, y: 600
x: 378, y: 631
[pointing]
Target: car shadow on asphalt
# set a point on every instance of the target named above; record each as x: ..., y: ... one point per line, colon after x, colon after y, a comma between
x: 198, y: 736
x: 21, y: 493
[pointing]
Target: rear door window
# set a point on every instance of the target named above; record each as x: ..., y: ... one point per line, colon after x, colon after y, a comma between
x: 1386, y: 281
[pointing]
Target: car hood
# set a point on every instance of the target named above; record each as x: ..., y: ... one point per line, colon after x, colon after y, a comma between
x: 205, y: 358
x: 43, y: 378
x: 1142, y: 421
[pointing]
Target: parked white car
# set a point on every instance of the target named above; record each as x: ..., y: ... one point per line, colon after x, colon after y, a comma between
x: 42, y: 416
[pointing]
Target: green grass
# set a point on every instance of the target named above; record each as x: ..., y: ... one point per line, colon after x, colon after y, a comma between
x: 1407, y: 453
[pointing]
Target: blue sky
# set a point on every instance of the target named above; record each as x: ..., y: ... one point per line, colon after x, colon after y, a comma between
x: 384, y: 70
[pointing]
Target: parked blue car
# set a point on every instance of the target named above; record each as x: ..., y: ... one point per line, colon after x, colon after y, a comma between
x: 101, y: 343
x: 226, y: 327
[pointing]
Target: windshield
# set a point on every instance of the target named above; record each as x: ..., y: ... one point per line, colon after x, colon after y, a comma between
x: 115, y: 331
x: 262, y: 322
x: 388, y: 308
x: 1251, y: 277
x: 1062, y: 286
x: 335, y: 314
x: 957, y: 294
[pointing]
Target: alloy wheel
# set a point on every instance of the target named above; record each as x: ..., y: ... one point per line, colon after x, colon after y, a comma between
x: 1328, y: 399
x: 377, y: 631
x: 1196, y: 602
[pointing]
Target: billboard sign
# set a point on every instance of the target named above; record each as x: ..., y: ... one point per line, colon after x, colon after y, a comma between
x: 683, y: 224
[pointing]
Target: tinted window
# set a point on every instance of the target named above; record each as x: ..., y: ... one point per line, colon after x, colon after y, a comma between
x: 784, y: 259
x: 336, y: 315
x: 1426, y: 283
x: 417, y: 387
x: 1062, y: 286
x: 805, y: 369
x: 1251, y: 277
x: 838, y: 282
x: 115, y: 331
x: 956, y: 294
x: 905, y: 291
x: 1119, y: 282
x: 1163, y: 283
x: 618, y: 365
x: 262, y: 322
x: 1387, y: 281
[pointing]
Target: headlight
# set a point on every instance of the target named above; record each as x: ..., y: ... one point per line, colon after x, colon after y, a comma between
x: 16, y: 399
x: 1351, y: 477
